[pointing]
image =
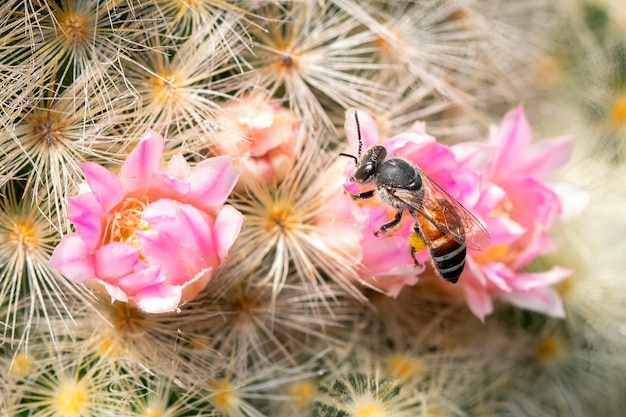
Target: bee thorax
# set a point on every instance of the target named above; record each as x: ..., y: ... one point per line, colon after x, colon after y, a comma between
x: 399, y: 173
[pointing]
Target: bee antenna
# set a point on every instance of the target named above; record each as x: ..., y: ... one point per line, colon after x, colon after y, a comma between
x: 356, y: 161
x: 358, y: 130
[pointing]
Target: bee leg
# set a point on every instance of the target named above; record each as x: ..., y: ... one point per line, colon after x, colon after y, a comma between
x: 415, y: 261
x: 385, y: 227
x: 363, y: 195
x: 416, y: 241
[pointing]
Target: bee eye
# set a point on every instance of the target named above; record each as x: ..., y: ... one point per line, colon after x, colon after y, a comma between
x: 364, y: 172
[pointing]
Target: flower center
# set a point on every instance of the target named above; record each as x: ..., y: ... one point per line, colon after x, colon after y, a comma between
x: 505, y: 254
x: 21, y: 365
x: 127, y: 321
x: 279, y: 219
x: 225, y: 396
x: 122, y: 223
x: 550, y: 349
x: 404, y: 366
x: 387, y: 47
x: 72, y: 398
x: 75, y: 28
x: 549, y: 71
x: 303, y: 393
x: 285, y: 62
x: 47, y: 128
x: 618, y: 112
x: 154, y: 412
x: 500, y: 253
x: 25, y: 236
x: 165, y: 88
x: 369, y: 408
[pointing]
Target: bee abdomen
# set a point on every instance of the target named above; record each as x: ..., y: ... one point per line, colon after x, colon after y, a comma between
x: 448, y: 257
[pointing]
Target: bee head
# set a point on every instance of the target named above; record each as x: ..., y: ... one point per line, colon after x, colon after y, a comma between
x: 366, y: 168
x: 366, y: 165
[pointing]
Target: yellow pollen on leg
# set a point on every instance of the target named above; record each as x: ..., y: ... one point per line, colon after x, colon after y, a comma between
x: 416, y: 242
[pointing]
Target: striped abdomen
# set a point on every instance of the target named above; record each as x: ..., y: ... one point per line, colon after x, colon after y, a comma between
x: 446, y: 252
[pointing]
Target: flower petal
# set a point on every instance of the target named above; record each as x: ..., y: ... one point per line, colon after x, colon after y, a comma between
x: 533, y: 202
x: 163, y: 250
x: 394, y: 281
x: 513, y: 138
x: 411, y: 143
x: 478, y: 299
x: 280, y: 130
x: 74, y: 259
x: 178, y: 167
x: 473, y: 155
x: 106, y: 188
x: 212, y: 181
x: 85, y: 213
x: 490, y: 197
x: 115, y: 292
x: 159, y: 299
x: 503, y: 230
x: 574, y: 199
x: 167, y: 186
x: 115, y: 260
x: 527, y: 281
x: 192, y: 288
x: 546, y: 156
x: 386, y: 254
x: 545, y: 300
x: 499, y: 275
x: 141, y: 163
x: 140, y: 280
x: 226, y: 229
x: 469, y: 188
x: 196, y: 237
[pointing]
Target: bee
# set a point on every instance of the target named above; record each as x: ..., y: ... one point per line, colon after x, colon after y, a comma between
x: 442, y: 224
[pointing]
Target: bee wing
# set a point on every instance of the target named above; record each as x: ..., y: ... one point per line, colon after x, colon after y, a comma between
x: 473, y: 233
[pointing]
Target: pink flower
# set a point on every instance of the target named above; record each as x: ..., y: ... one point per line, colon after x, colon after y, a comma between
x: 518, y: 208
x: 148, y: 236
x: 265, y: 138
x: 501, y: 184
